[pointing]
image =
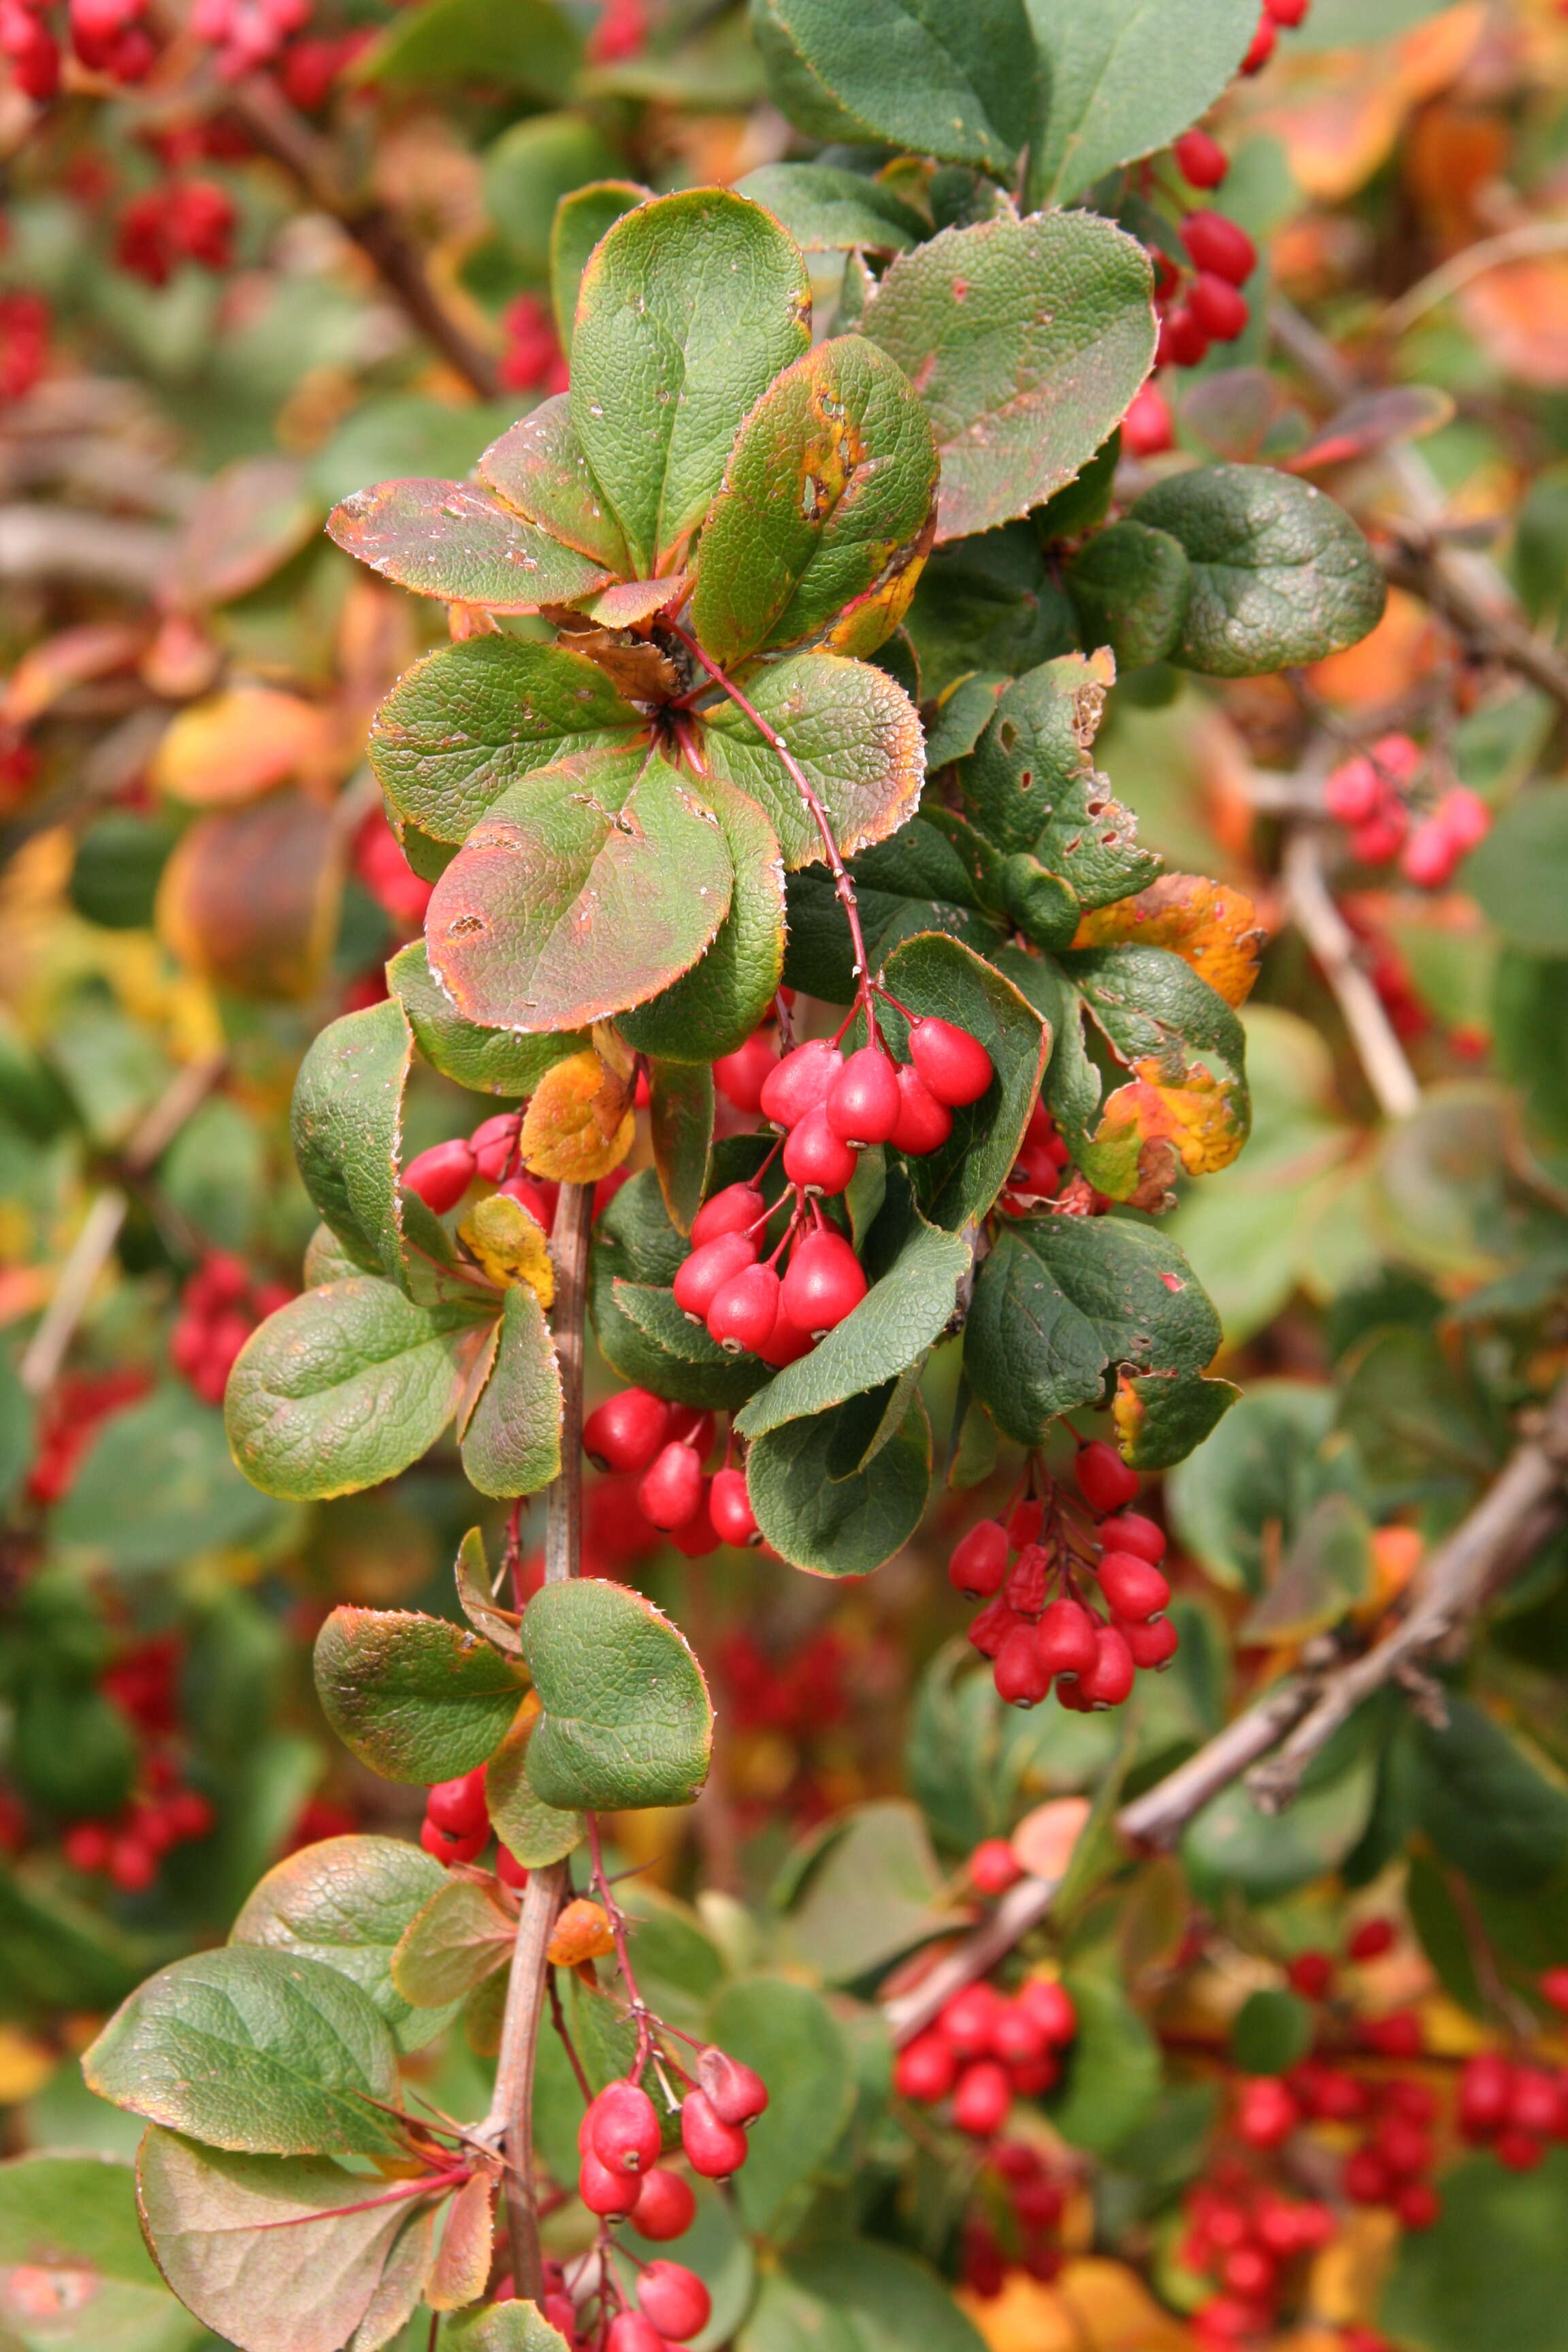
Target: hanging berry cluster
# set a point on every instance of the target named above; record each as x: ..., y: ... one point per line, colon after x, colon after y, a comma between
x: 457, y: 1827
x: 1372, y: 794
x: 987, y: 2048
x: 128, y: 1846
x: 1080, y: 1606
x: 220, y: 1307
x: 1024, y: 2201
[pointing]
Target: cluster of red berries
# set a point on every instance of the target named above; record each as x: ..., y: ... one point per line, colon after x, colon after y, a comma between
x: 1205, y: 304
x: 107, y: 37
x: 620, y: 2178
x: 1251, y: 2240
x: 532, y: 359
x: 184, y: 220
x: 248, y: 33
x: 220, y: 1306
x: 128, y: 1849
x: 1016, y: 2178
x: 73, y: 1413
x: 1368, y: 793
x: 380, y: 867
x: 665, y: 1447
x: 24, y: 346
x: 1036, y: 1175
x: 987, y: 2048
x: 1512, y: 2107
x: 1014, y: 1565
x: 1390, y: 2163
x: 457, y: 1826
x: 1279, y: 17
x: 744, y: 1300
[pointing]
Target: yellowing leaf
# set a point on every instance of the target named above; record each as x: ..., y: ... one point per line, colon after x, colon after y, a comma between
x: 1207, y: 924
x: 1201, y: 1121
x: 249, y: 899
x: 579, y: 1121
x: 463, y: 2264
x: 583, y: 1932
x: 240, y: 743
x: 509, y: 1246
x: 1092, y: 2306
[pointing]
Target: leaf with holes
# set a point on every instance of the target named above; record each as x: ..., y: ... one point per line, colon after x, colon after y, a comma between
x: 1124, y: 77
x: 626, y: 1720
x: 689, y: 308
x: 344, y: 1903
x: 459, y: 542
x: 511, y: 1444
x: 487, y: 1061
x: 470, y: 720
x: 583, y: 891
x: 416, y: 1698
x: 854, y: 734
x: 344, y: 1387
x: 1027, y: 340
x: 714, y: 1007
x: 821, y: 527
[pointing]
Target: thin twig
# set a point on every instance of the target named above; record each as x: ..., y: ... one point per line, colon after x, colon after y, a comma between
x: 1444, y: 577
x: 1332, y: 944
x: 1520, y: 244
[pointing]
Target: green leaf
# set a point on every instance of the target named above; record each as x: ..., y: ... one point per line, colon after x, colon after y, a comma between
x: 827, y: 209
x: 933, y: 974
x: 1233, y: 1844
x: 855, y: 2294
x: 1516, y: 872
x: 1124, y: 77
x: 825, y: 1508
x: 511, y: 1444
x: 456, y: 1939
x: 334, y: 2278
x: 1270, y: 2032
x: 1132, y: 585
x: 1280, y: 574
x: 953, y: 79
x: 1062, y: 1302
x: 69, y: 2223
x: 416, y: 1698
x: 985, y: 609
x: 874, y: 1893
x: 626, y: 1721
x: 1492, y: 2270
x: 580, y: 219
x: 470, y: 720
x: 713, y: 1008
x: 158, y: 1484
x: 513, y: 2327
x: 1326, y: 1571
x: 346, y: 1125
x: 633, y: 1262
x: 818, y: 532
x: 680, y: 1120
x: 344, y: 1387
x: 458, y: 541
x: 1486, y: 1806
x: 1113, y: 2069
x: 791, y: 2037
x: 689, y: 309
x: 900, y: 1318
x: 1031, y: 784
x: 344, y: 1903
x: 487, y: 1061
x: 854, y: 732
x: 530, y: 168
x: 243, y: 2048
x: 1251, y: 1486
x: 583, y: 891
x: 533, y: 1832
x: 1027, y: 373
x: 521, y: 44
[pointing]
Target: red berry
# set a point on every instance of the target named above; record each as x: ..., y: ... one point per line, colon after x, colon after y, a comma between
x: 863, y: 1101
x: 925, y: 1124
x: 671, y: 1490
x: 1219, y: 246
x: 1110, y: 1679
x: 1398, y: 2035
x: 1129, y: 1532
x: 1417, y: 2204
x: 1355, y: 791
x: 1219, y: 307
x: 993, y: 1867
x: 788, y: 1343
x: 1021, y: 1679
x: 825, y: 1282
x: 508, y: 1870
x: 1553, y: 1988
x: 955, y: 1067
x: 1028, y: 1583
x: 1200, y: 160
x: 1262, y: 47
x: 743, y: 1312
x: 1406, y: 2151
x: 631, y: 2332
x: 799, y: 1081
x: 1379, y: 839
x: 1289, y: 13
x: 1486, y: 2092
x: 1182, y: 342
x: 733, y: 1209
x: 992, y: 1625
x: 981, y: 2099
x: 701, y: 1278
x: 665, y: 2206
x: 1152, y: 1644
x: 814, y: 1156
x: 625, y: 1431
x: 978, y: 1564
x: 1065, y: 1638
x: 1534, y: 2104
x: 713, y: 2148
x: 675, y: 2300
x: 442, y: 1175
x: 1311, y: 1974
x: 86, y: 1845
x: 459, y: 1807
x: 1371, y: 1939
x: 730, y: 1507
x: 1104, y: 1480
x: 1249, y: 2271
x: 1518, y: 2150
x: 741, y: 1077
x: 1366, y: 2177
x: 1025, y: 1521
x: 1147, y: 430
x: 698, y: 1537
x: 925, y: 2069
x: 132, y: 1864
x: 494, y: 1144
x: 1016, y: 2037
x: 1134, y: 1587
x: 447, y: 1848
x: 736, y: 2094
x: 1266, y: 2112
x: 967, y: 2019
x: 612, y: 2195
x: 623, y: 2129
x: 1050, y: 2004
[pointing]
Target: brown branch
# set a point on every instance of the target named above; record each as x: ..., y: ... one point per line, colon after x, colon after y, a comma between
x: 1318, y: 918
x: 1491, y: 627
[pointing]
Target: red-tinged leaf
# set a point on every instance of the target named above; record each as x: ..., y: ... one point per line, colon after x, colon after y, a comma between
x: 250, y: 898
x: 244, y: 526
x: 416, y: 1698
x: 463, y: 2264
x: 68, y: 658
x: 458, y: 541
x: 1210, y: 926
x: 538, y: 467
x: 241, y: 742
x: 584, y: 890
x: 630, y: 601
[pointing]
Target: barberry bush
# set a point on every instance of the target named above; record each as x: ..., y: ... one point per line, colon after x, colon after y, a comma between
x: 782, y: 1176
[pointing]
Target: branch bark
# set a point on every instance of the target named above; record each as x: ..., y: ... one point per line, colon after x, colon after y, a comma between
x: 1332, y: 944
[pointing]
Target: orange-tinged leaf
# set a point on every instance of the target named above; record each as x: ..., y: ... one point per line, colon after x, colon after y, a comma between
x: 250, y: 898
x: 1519, y: 314
x: 240, y: 743
x: 1404, y: 648
x: 509, y: 1246
x: 68, y: 658
x: 1091, y: 2306
x: 1201, y: 1121
x: 583, y: 1932
x: 1343, y: 111
x: 1207, y: 924
x: 1044, y: 1840
x: 463, y: 2264
x: 579, y: 1121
